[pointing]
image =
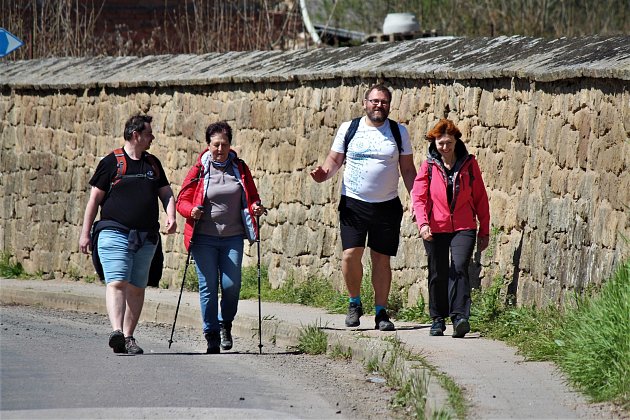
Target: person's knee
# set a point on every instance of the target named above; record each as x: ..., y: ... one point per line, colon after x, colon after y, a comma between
x: 381, y: 260
x: 117, y: 285
x: 135, y: 290
x: 352, y: 255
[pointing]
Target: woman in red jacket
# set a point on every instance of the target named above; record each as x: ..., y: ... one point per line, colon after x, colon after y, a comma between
x: 218, y: 200
x: 448, y: 198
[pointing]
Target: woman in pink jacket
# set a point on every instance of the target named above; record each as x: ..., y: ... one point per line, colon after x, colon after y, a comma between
x: 449, y: 198
x: 218, y: 200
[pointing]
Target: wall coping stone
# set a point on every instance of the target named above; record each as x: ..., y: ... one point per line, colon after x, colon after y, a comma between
x: 543, y: 60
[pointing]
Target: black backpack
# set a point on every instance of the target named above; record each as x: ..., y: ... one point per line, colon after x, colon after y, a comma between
x: 354, y: 125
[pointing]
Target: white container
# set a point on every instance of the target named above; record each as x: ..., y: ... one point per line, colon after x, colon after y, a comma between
x: 399, y: 23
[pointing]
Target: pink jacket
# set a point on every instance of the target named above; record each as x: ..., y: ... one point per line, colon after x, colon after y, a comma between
x: 193, y: 193
x: 469, y: 202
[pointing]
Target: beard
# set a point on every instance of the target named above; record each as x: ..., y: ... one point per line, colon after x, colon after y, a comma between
x: 377, y: 115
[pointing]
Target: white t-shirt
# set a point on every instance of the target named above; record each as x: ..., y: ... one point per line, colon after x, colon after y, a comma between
x: 371, y: 173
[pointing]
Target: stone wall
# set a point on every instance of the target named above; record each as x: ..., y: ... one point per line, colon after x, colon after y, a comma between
x: 554, y: 152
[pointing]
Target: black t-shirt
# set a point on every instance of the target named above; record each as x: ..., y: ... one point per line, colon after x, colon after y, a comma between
x: 133, y: 201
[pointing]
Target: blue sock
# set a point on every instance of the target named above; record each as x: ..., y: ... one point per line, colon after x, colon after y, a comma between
x: 356, y: 299
x: 377, y: 308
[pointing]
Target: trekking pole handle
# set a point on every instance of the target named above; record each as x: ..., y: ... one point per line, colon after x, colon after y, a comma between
x: 258, y: 203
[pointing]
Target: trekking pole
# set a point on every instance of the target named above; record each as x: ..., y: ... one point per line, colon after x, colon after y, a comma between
x: 181, y: 290
x: 260, y: 345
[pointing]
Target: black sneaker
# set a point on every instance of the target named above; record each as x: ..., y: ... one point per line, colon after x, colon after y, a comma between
x: 382, y: 321
x: 355, y: 311
x: 461, y: 326
x: 132, y: 347
x: 226, y: 335
x: 117, y: 341
x: 437, y: 327
x: 214, y: 342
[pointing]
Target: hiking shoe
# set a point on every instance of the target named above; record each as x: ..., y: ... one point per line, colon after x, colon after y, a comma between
x: 226, y: 335
x: 214, y: 342
x: 461, y: 326
x: 382, y: 321
x: 117, y: 341
x: 132, y: 347
x: 355, y: 310
x: 437, y: 327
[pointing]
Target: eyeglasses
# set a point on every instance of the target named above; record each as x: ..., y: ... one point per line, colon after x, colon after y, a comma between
x: 375, y: 102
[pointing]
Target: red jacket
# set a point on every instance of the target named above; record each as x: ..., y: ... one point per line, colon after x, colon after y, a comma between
x: 193, y: 194
x: 469, y: 202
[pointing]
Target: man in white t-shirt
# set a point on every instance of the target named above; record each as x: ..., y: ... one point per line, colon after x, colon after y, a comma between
x: 369, y: 207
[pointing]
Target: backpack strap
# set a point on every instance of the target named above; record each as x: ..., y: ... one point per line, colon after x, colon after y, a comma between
x: 354, y: 125
x: 430, y: 174
x: 352, y: 130
x: 121, y: 166
x: 393, y: 126
x: 154, y: 164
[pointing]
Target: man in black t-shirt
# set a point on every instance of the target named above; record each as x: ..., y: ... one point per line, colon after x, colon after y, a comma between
x: 129, y: 226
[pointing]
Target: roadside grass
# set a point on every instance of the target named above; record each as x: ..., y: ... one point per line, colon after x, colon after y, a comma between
x: 411, y: 390
x: 10, y: 269
x: 411, y: 394
x: 312, y: 339
x: 339, y: 352
x: 589, y: 339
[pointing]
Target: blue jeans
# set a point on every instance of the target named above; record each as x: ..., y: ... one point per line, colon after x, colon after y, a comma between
x: 217, y: 257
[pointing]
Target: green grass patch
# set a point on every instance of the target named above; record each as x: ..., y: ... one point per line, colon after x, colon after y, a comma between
x: 340, y: 352
x: 312, y: 339
x: 589, y: 339
x: 411, y: 392
x: 315, y: 292
x: 416, y: 313
x: 10, y: 269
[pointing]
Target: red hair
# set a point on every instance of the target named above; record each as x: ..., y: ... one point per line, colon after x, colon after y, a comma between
x: 444, y: 126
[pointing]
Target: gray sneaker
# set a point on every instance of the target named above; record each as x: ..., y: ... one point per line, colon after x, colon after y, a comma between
x: 132, y: 347
x: 117, y: 341
x: 355, y: 310
x: 382, y: 322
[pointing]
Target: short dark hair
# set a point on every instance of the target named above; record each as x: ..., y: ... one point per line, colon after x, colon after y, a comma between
x: 136, y: 123
x: 380, y: 88
x: 219, y: 127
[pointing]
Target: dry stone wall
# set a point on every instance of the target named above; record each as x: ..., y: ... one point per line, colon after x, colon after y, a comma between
x: 554, y: 152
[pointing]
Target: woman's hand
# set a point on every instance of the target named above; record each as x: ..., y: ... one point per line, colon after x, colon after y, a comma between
x: 425, y: 233
x: 258, y: 209
x: 196, y: 213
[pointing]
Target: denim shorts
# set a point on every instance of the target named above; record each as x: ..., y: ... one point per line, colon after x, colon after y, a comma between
x: 120, y: 264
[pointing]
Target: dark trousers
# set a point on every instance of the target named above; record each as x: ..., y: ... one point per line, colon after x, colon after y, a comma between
x: 449, y: 287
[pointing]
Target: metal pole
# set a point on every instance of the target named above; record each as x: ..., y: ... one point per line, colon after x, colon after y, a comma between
x: 260, y: 345
x: 181, y: 290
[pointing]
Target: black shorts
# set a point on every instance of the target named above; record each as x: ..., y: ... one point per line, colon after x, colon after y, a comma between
x: 379, y: 222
